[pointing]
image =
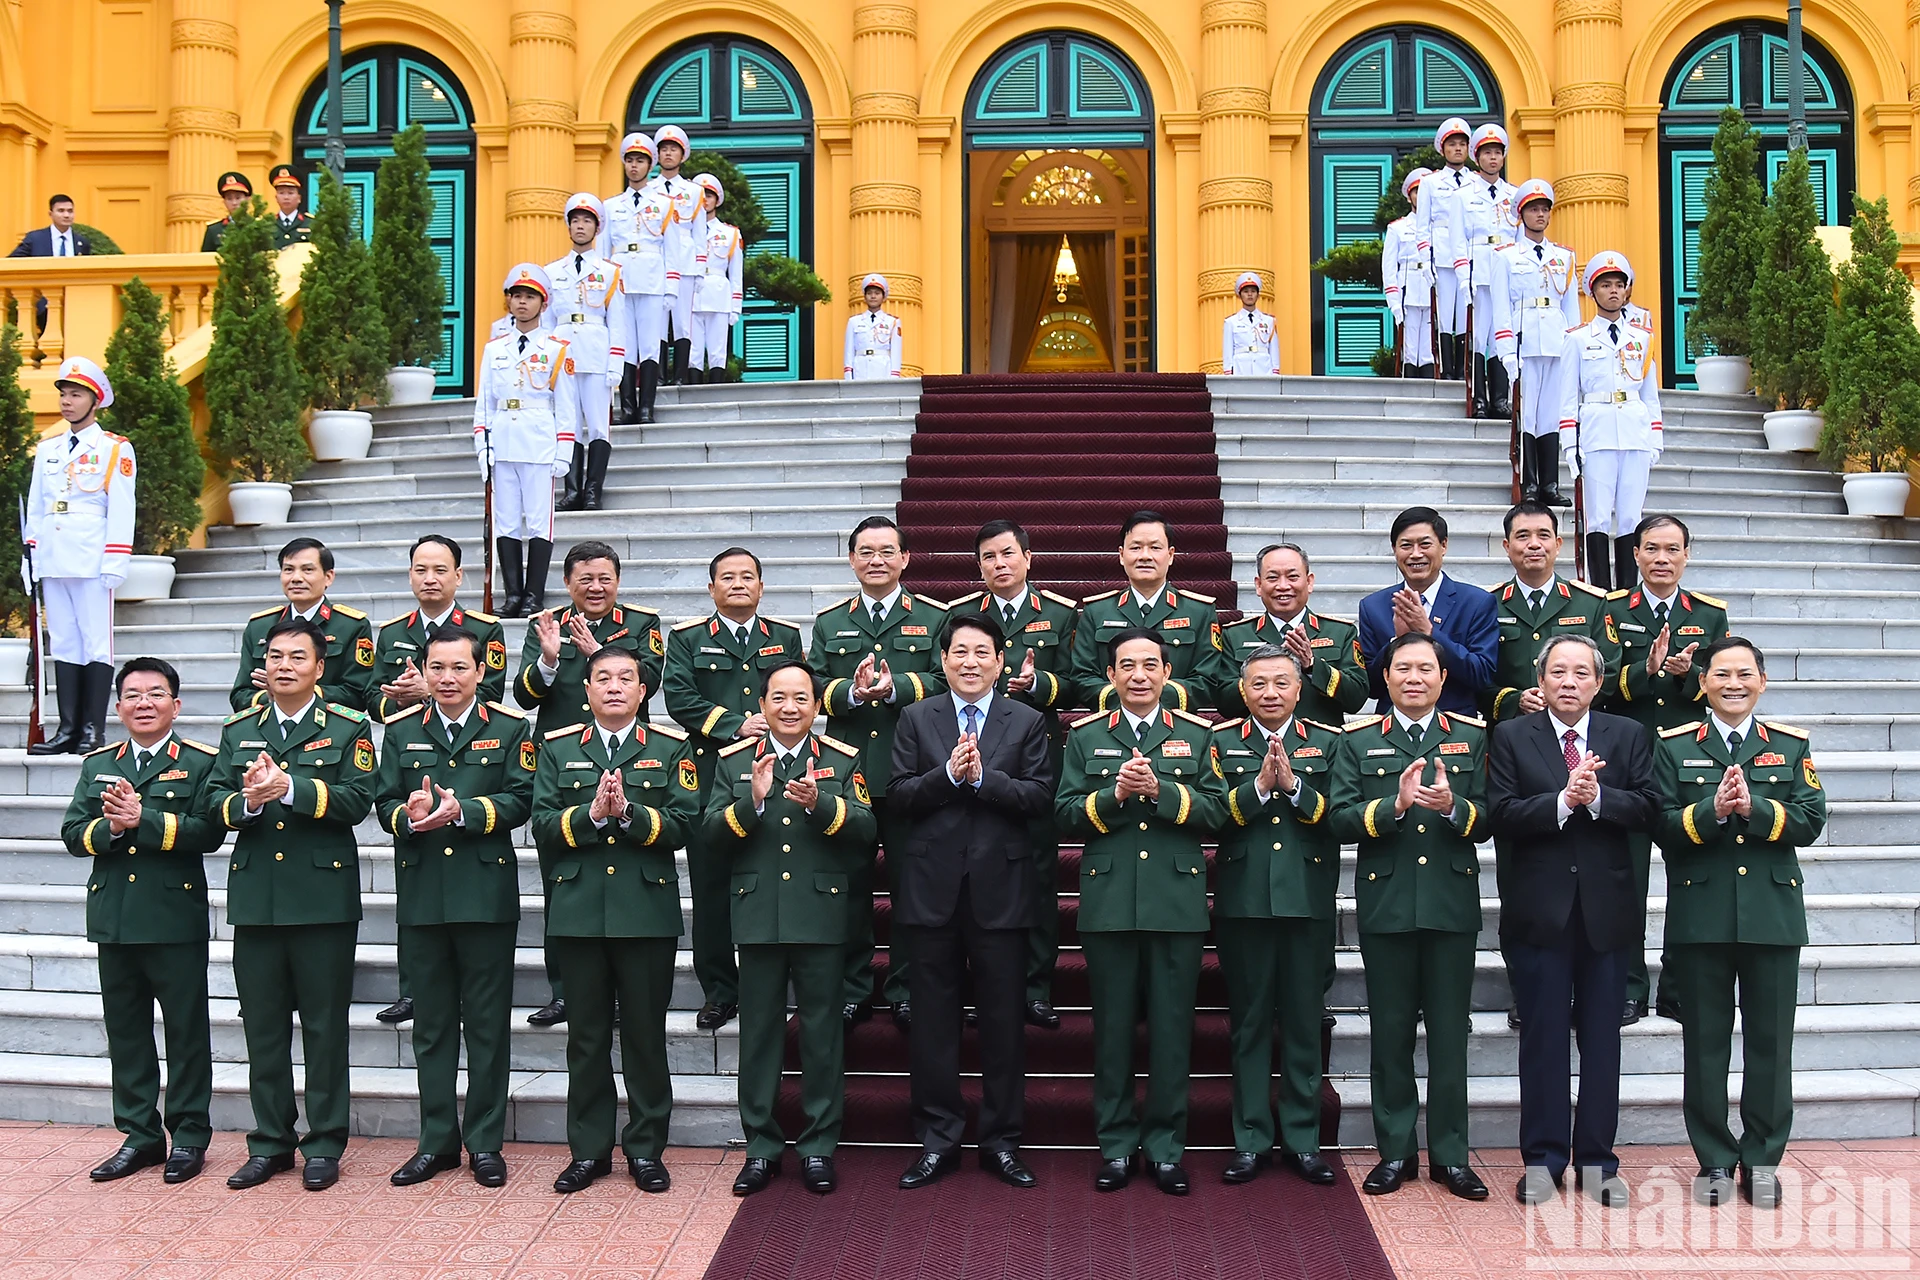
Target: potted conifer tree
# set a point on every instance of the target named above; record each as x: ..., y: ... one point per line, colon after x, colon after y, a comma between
x: 253, y: 380
x: 1792, y: 298
x: 407, y: 270
x: 1717, y: 333
x: 151, y: 409
x: 1872, y: 356
x: 342, y: 343
x: 18, y: 441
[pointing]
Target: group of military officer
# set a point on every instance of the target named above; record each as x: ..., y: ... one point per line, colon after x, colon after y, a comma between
x: 291, y: 223
x: 780, y: 823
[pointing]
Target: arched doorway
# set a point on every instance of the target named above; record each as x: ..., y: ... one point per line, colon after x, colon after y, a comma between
x: 742, y: 99
x: 1059, y: 166
x: 384, y: 89
x: 1379, y: 97
x: 1741, y: 65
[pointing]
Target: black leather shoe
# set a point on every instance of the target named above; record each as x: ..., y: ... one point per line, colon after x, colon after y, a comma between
x: 581, y: 1174
x: 1311, y: 1166
x: 399, y: 1011
x: 489, y: 1169
x: 548, y: 1014
x: 650, y: 1176
x: 1008, y: 1167
x: 184, y: 1163
x: 855, y: 1012
x: 1172, y: 1179
x: 1389, y: 1176
x: 1713, y: 1185
x: 1513, y: 1017
x: 817, y: 1173
x: 1460, y: 1180
x: 1536, y: 1186
x: 422, y: 1167
x: 1245, y: 1167
x: 126, y: 1160
x: 1115, y: 1174
x: 754, y: 1176
x: 1041, y: 1014
x: 1608, y: 1189
x: 1634, y: 1011
x: 929, y: 1168
x: 258, y: 1169
x: 320, y: 1172
x: 1668, y: 1007
x: 903, y: 1015
x: 713, y: 1016
x: 1760, y: 1187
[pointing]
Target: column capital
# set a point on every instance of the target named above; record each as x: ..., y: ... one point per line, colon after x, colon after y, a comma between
x: 541, y: 24
x: 1590, y: 188
x: 887, y: 15
x: 1233, y: 13
x: 1570, y: 11
x: 204, y: 33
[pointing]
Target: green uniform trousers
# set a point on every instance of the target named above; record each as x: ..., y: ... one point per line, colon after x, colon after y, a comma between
x: 554, y: 983
x: 1123, y: 969
x: 709, y: 877
x: 280, y: 970
x: 1640, y: 846
x: 1424, y: 975
x: 638, y: 973
x: 815, y: 971
x: 466, y: 984
x: 133, y: 978
x: 867, y: 880
x: 1043, y: 939
x: 1275, y: 971
x: 1768, y: 978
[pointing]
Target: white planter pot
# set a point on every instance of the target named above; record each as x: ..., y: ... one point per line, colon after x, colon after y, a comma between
x: 257, y: 503
x: 1793, y: 430
x: 1723, y: 375
x: 409, y: 384
x: 148, y: 578
x: 339, y: 434
x: 1876, y: 493
x: 13, y: 660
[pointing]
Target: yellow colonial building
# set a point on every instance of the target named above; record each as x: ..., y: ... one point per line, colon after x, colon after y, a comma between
x: 1046, y: 183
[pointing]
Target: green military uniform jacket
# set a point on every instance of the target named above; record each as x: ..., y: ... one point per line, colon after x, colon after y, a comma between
x: 299, y: 233
x: 214, y: 233
x: 1337, y: 682
x: 713, y: 680
x: 1737, y: 881
x: 610, y: 882
x: 1142, y: 868
x: 465, y: 873
x: 405, y: 637
x: 1660, y: 701
x: 347, y: 678
x: 1421, y: 871
x: 1279, y: 859
x: 148, y: 883
x: 1569, y: 609
x: 564, y: 702
x: 1187, y: 623
x: 792, y: 870
x: 297, y: 861
x: 1043, y: 626
x: 907, y: 641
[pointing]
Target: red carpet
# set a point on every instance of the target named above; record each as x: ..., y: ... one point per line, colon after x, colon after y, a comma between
x: 970, y: 1227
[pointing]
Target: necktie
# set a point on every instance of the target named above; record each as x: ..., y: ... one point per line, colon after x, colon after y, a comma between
x: 879, y: 612
x: 523, y: 342
x: 613, y: 745
x: 140, y: 759
x: 973, y: 721
x: 740, y: 636
x: 1733, y: 746
x: 1140, y: 732
x: 1613, y: 332
x: 1571, y: 752
x: 73, y: 441
x: 1416, y: 731
x: 1660, y: 613
x: 1281, y: 637
x: 1006, y: 614
x: 577, y: 261
x: 1533, y: 601
x: 66, y: 246
x: 1539, y: 252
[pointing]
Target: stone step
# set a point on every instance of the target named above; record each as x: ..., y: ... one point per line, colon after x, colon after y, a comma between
x: 1308, y: 519
x: 626, y: 475
x: 1777, y: 546
x: 879, y: 492
x: 1342, y: 599
x: 1351, y: 439
x: 1449, y: 493
x: 1457, y: 470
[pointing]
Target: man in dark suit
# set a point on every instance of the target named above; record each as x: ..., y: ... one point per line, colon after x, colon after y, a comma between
x: 1460, y: 618
x: 971, y: 772
x: 58, y: 240
x: 1569, y: 919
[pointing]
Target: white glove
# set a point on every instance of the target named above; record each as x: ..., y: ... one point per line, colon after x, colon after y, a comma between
x: 485, y: 470
x: 563, y: 462
x: 1399, y: 311
x: 1572, y: 459
x: 614, y: 370
x: 1513, y: 367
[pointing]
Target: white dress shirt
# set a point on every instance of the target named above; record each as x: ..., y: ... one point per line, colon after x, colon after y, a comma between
x: 1562, y: 809
x: 960, y: 708
x: 62, y: 242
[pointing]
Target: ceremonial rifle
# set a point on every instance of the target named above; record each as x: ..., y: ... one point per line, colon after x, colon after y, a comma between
x: 36, y: 657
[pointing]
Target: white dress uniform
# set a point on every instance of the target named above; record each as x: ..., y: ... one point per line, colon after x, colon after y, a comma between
x: 525, y: 408
x: 718, y: 294
x: 504, y: 325
x: 1250, y: 343
x: 635, y: 238
x: 1535, y: 305
x: 1433, y: 218
x: 874, y: 343
x: 685, y: 246
x: 1406, y: 276
x: 1607, y: 384
x: 1483, y: 222
x: 80, y: 533
x: 589, y: 313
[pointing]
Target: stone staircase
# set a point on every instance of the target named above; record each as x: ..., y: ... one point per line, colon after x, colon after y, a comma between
x: 787, y: 470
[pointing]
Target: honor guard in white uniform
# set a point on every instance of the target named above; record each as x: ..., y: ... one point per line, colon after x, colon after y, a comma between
x: 686, y: 241
x: 1433, y: 218
x: 1483, y: 221
x: 718, y: 293
x: 1249, y: 338
x: 873, y: 336
x: 1607, y: 384
x: 79, y: 536
x: 638, y: 220
x: 589, y: 312
x: 1534, y: 307
x: 523, y: 427
x: 1406, y: 275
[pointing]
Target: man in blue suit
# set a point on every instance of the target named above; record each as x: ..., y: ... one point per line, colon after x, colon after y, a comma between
x: 1460, y: 618
x: 59, y: 240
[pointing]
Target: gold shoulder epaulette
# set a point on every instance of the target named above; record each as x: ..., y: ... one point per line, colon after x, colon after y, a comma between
x: 690, y: 622
x: 1618, y: 595
x: 394, y: 622
x: 838, y: 745
x: 673, y: 731
x: 1587, y: 587
x: 506, y: 710
x: 968, y: 598
x: 265, y: 612
x: 401, y: 714
x: 1234, y: 723
x: 737, y: 747
x: 346, y: 712
x: 1321, y: 724
x: 1190, y: 718
x: 640, y: 608
x: 1792, y: 731
x: 349, y: 611
x: 111, y: 746
x: 1463, y: 718
x: 240, y: 715
x: 201, y: 746
x: 1089, y: 719
x: 1704, y: 598
x: 484, y: 617
x: 551, y: 734
x: 782, y: 621
x: 1330, y: 617
x: 1104, y: 595
x: 844, y: 600
x: 1364, y: 722
x: 1057, y: 598
x: 938, y: 604
x: 1692, y: 726
x: 1195, y: 595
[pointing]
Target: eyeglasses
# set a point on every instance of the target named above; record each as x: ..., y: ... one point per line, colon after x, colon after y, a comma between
x: 155, y: 696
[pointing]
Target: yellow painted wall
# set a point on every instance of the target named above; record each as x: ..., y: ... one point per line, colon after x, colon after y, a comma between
x: 133, y: 106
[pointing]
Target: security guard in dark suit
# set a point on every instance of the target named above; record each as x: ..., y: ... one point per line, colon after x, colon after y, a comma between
x: 789, y: 818
x: 1739, y: 798
x: 1273, y: 911
x: 293, y: 777
x: 140, y: 812
x: 456, y: 779
x: 713, y: 674
x: 611, y: 802
x: 290, y: 225
x: 1328, y: 648
x: 1409, y: 788
x: 306, y: 574
x: 235, y: 191
x: 1198, y: 669
x: 1534, y: 606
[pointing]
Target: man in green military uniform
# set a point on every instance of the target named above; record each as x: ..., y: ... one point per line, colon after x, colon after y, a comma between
x: 1039, y: 647
x: 876, y: 653
x: 456, y: 779
x: 1662, y: 628
x: 611, y: 802
x: 306, y: 574
x: 1535, y: 605
x: 1139, y: 785
x: 1417, y: 891
x: 553, y: 674
x: 713, y: 675
x: 788, y: 818
x: 290, y: 225
x: 1197, y: 665
x: 1739, y: 797
x: 1279, y: 866
x: 235, y: 191
x: 293, y: 777
x: 1327, y: 648
x: 140, y: 812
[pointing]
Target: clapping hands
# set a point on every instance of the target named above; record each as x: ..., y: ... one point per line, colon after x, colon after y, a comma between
x: 1583, y: 783
x: 410, y: 688
x: 1137, y: 778
x: 263, y: 781
x: 609, y: 799
x: 1409, y: 613
x: 1414, y: 792
x: 1733, y: 796
x: 872, y: 681
x: 1276, y: 771
x: 120, y: 806
x: 964, y: 763
x: 431, y: 807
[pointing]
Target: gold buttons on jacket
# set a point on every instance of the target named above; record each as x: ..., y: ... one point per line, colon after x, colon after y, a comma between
x: 609, y: 870
x: 1143, y: 826
x: 279, y: 857
x: 1372, y: 876
x: 786, y: 848
x: 336, y: 866
x: 135, y: 849
x: 1276, y: 822
x: 786, y: 875
x: 786, y: 822
x: 1743, y: 870
x: 129, y: 877
x: 1422, y: 829
x: 1143, y: 855
x: 279, y: 826
x: 1276, y: 844
x: 1740, y: 839
x: 448, y: 851
x: 1423, y: 857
